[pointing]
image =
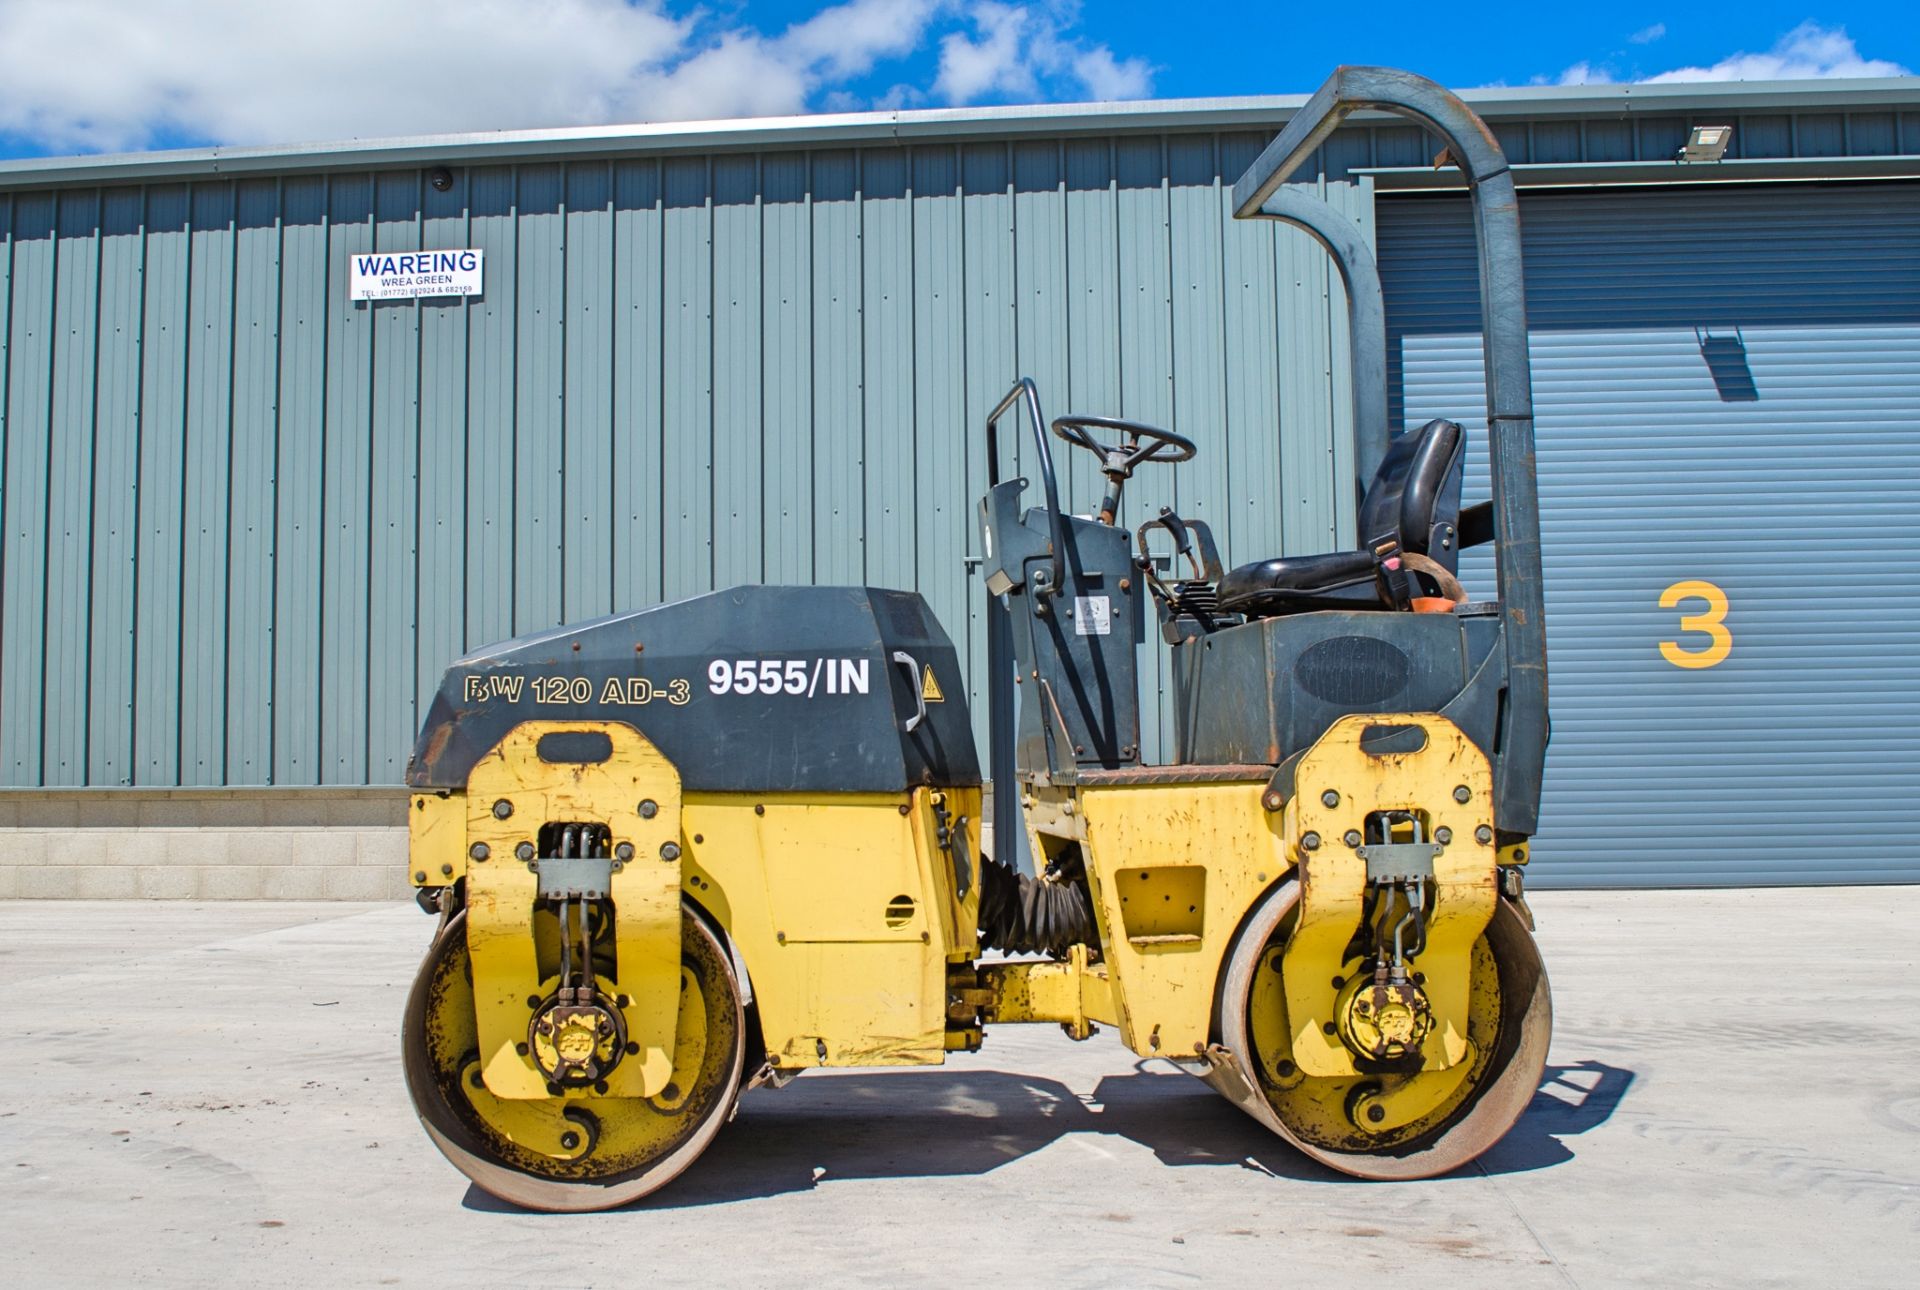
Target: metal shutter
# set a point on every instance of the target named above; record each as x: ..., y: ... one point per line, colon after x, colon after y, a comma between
x: 1727, y: 384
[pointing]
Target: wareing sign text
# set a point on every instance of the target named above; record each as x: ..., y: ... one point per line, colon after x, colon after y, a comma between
x: 397, y: 275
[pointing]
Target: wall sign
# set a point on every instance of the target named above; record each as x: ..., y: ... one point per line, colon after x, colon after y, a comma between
x: 402, y: 275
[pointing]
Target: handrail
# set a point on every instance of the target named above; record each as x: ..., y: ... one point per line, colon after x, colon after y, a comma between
x: 1503, y: 309
x: 1352, y: 255
x: 1024, y: 391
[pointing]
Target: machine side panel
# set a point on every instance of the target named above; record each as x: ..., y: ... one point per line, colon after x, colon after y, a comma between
x: 1174, y: 868
x: 838, y: 906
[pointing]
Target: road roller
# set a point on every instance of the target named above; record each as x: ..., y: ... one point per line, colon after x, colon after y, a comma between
x: 710, y: 845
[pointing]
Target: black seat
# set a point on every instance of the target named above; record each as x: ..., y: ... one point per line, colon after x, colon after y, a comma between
x: 1412, y: 505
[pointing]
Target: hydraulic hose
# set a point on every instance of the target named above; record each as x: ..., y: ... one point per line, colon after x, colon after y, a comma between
x: 1022, y: 915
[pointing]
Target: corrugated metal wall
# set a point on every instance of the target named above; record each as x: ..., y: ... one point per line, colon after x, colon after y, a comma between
x: 1727, y: 382
x: 246, y: 521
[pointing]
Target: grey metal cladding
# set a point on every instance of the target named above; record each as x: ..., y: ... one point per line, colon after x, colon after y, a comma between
x: 247, y: 521
x: 116, y: 490
x: 248, y: 741
x: 69, y: 482
x: 31, y: 351
x: 300, y: 442
x: 1727, y: 382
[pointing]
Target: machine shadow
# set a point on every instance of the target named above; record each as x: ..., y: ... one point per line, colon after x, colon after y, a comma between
x: 1572, y: 1099
x: 879, y: 1126
x: 827, y: 1127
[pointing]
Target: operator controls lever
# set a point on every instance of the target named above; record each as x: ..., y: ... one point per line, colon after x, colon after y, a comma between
x: 1194, y: 595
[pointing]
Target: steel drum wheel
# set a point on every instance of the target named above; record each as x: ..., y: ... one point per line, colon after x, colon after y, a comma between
x: 574, y: 1153
x: 1510, y: 1024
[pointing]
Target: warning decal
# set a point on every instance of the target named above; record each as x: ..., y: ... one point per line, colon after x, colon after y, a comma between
x: 930, y: 688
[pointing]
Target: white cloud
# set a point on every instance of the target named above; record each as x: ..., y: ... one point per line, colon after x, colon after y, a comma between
x: 242, y: 71
x: 849, y: 38
x: 1808, y: 52
x: 743, y: 74
x: 1647, y: 35
x: 106, y: 74
x: 896, y: 97
x: 1024, y: 51
x: 1108, y: 78
x: 992, y: 64
x: 1584, y: 74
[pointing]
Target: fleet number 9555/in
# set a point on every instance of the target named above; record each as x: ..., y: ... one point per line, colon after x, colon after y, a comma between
x: 796, y: 676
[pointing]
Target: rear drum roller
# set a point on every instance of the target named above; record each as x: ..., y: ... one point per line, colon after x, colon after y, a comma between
x: 576, y: 1152
x: 1386, y: 1126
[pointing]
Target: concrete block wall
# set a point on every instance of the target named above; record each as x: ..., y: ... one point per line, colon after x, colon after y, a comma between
x: 214, y: 844
x: 204, y: 844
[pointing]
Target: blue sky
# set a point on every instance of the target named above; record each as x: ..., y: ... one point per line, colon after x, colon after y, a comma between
x: 127, y: 75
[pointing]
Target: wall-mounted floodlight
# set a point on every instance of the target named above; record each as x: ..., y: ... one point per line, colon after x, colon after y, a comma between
x: 1706, y: 143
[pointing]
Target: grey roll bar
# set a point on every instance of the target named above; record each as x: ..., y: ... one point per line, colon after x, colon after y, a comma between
x: 1503, y: 310
x: 1023, y: 394
x: 1366, y: 315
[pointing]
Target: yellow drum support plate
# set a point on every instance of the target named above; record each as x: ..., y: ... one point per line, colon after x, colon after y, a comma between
x: 501, y: 894
x: 575, y: 1152
x: 1333, y: 877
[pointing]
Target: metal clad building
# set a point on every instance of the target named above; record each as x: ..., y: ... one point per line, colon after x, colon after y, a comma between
x: 247, y: 520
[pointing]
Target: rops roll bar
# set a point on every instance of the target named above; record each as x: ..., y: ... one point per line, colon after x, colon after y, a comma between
x: 1503, y: 308
x: 1366, y: 315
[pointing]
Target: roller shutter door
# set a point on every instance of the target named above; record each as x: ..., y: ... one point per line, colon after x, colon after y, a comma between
x: 1727, y: 387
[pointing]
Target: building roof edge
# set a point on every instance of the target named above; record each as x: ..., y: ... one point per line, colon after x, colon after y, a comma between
x: 867, y: 129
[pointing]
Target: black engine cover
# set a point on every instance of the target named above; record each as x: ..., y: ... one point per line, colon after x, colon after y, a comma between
x: 1266, y: 690
x: 767, y: 689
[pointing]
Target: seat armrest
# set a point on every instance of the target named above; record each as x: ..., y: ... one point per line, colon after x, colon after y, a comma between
x: 1423, y: 492
x: 1476, y: 525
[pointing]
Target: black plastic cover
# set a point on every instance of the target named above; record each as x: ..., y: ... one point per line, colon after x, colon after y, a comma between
x: 771, y: 689
x: 1262, y: 692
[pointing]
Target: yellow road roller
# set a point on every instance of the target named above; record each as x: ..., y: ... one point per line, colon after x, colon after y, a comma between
x: 709, y: 845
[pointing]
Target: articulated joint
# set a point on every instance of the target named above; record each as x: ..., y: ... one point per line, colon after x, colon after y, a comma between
x: 1072, y: 992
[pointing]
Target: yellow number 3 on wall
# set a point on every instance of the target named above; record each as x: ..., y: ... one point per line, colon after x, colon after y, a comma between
x: 1712, y: 622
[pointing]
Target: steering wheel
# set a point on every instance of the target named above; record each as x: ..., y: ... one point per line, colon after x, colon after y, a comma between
x: 1139, y: 443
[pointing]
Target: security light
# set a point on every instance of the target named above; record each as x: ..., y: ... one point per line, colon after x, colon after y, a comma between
x: 1706, y: 143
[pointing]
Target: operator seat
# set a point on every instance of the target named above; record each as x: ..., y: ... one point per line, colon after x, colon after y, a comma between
x: 1412, y: 505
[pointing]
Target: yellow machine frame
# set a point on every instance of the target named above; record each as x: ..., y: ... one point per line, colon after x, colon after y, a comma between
x: 856, y: 922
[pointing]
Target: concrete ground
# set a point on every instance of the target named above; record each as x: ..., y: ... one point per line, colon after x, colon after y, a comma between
x: 211, y: 1095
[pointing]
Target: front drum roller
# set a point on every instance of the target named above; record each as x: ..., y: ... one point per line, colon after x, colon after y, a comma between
x: 1425, y: 1124
x: 573, y: 1153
